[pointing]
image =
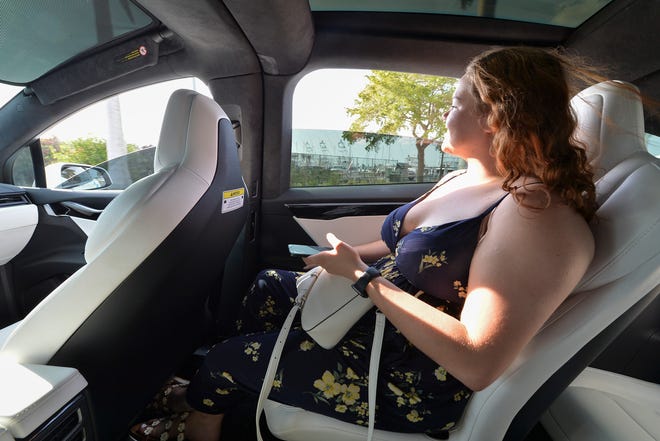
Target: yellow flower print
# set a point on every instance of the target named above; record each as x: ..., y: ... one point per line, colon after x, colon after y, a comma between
x: 351, y: 375
x: 341, y: 408
x: 396, y: 225
x: 327, y: 385
x: 460, y: 395
x: 458, y: 286
x: 222, y: 391
x: 398, y: 392
x: 388, y: 272
x: 208, y: 402
x: 432, y: 260
x: 274, y: 274
x: 306, y: 345
x: 363, y: 409
x: 252, y: 349
x: 425, y: 229
x: 449, y: 425
x: 414, y: 416
x: 440, y: 373
x: 410, y: 377
x: 412, y: 397
x: 277, y: 381
x: 400, y: 401
x: 350, y: 393
x: 267, y: 307
x: 228, y: 376
x: 348, y: 353
x: 357, y: 344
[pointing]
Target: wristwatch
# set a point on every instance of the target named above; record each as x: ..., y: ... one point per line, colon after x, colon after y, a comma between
x: 360, y: 286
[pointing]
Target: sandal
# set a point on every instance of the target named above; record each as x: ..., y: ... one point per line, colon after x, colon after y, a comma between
x: 171, y: 428
x: 170, y: 399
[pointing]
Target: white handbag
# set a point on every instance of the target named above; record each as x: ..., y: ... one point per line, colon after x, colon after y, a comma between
x: 329, y: 308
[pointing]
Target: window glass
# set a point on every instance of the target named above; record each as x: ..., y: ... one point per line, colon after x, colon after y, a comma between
x: 65, y: 29
x: 353, y: 127
x: 117, y: 136
x: 7, y: 92
x: 570, y: 13
x: 653, y: 144
x: 22, y: 172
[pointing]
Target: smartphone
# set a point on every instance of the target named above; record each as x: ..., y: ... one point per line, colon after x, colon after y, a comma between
x: 305, y: 250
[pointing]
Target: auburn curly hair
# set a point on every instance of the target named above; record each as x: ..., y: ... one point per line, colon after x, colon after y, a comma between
x: 525, y: 94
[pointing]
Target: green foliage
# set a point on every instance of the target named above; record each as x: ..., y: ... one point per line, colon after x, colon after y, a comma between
x: 49, y: 146
x: 402, y: 103
x: 373, y: 140
x: 82, y: 151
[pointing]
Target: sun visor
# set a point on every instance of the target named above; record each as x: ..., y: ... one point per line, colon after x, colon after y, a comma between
x: 99, y: 68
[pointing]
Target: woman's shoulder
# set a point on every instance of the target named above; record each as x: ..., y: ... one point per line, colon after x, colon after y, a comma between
x: 535, y: 212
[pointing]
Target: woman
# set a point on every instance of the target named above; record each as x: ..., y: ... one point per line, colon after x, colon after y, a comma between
x: 469, y: 272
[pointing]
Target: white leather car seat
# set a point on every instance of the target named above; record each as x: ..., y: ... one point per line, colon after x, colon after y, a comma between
x: 135, y: 311
x: 622, y: 279
x: 600, y: 405
x: 605, y: 406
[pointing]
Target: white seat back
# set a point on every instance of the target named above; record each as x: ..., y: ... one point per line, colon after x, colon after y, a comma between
x: 621, y: 280
x: 135, y: 311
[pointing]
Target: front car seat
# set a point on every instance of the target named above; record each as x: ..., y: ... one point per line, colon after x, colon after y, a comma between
x: 620, y: 282
x: 129, y: 317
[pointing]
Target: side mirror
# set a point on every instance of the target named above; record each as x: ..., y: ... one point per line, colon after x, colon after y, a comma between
x: 84, y: 177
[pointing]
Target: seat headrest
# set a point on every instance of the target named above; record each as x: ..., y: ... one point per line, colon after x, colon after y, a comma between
x: 187, y: 113
x: 610, y: 119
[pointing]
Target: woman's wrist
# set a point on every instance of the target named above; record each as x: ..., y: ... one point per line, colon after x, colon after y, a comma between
x: 358, y: 272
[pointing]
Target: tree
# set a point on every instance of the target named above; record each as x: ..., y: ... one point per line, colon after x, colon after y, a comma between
x: 396, y: 102
x: 82, y: 151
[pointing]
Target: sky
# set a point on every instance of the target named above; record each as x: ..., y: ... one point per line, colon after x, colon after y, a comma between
x: 336, y: 89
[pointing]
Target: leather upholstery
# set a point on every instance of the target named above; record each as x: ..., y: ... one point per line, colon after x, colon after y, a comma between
x: 604, y: 406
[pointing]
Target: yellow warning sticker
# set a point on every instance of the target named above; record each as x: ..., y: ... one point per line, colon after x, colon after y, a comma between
x: 233, y: 199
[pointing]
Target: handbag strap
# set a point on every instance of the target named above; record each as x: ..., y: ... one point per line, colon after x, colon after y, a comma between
x: 374, y: 362
x: 272, y: 364
x: 279, y: 343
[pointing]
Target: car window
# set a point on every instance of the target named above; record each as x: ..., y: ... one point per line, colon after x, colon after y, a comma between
x: 109, y: 144
x: 653, y: 144
x: 7, y: 92
x: 353, y: 127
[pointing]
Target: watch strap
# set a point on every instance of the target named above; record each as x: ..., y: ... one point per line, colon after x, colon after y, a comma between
x: 360, y: 286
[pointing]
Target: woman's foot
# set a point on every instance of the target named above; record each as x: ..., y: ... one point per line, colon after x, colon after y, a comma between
x: 187, y: 426
x: 170, y: 399
x: 166, y: 428
x: 203, y: 426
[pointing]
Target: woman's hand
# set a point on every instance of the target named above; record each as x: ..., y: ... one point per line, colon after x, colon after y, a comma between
x: 342, y: 260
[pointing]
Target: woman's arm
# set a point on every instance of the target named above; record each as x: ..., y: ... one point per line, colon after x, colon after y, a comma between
x: 524, y: 267
x: 372, y: 251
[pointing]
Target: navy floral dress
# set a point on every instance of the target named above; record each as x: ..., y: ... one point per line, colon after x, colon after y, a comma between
x: 415, y: 394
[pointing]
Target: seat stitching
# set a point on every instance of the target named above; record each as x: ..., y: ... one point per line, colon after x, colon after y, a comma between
x: 632, y: 418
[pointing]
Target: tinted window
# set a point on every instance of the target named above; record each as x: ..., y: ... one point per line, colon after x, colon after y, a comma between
x: 353, y: 127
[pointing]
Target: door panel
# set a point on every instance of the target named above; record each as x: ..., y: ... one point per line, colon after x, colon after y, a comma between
x: 55, y: 249
x: 354, y: 230
x: 305, y: 215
